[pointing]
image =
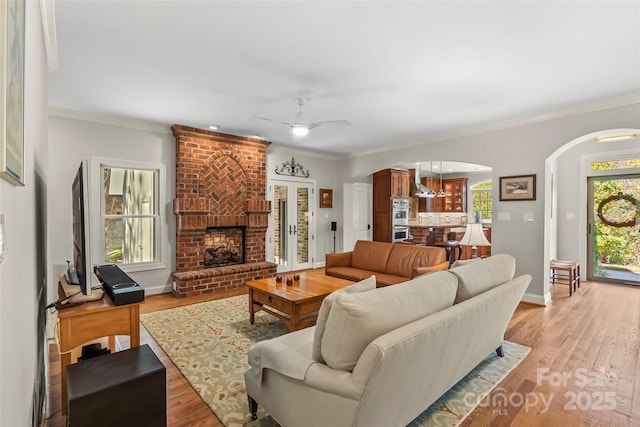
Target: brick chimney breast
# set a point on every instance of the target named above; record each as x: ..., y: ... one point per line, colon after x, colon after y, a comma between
x: 220, y: 182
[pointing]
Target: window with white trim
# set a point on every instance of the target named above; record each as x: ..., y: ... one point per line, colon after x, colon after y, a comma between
x: 130, y: 214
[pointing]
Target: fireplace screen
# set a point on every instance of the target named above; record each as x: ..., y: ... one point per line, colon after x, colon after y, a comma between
x: 223, y: 246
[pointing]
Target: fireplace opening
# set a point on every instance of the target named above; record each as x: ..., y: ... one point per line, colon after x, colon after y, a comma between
x: 223, y: 246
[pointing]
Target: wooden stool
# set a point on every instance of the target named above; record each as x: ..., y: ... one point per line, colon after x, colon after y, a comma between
x: 571, y: 275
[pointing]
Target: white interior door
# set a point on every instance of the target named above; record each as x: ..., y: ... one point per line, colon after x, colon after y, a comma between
x: 361, y: 212
x: 291, y: 225
x: 356, y: 214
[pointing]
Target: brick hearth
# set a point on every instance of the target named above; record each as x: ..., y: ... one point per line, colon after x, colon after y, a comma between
x: 220, y: 182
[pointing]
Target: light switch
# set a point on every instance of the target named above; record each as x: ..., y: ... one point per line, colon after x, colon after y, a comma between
x: 571, y: 215
x: 504, y: 216
x: 527, y: 216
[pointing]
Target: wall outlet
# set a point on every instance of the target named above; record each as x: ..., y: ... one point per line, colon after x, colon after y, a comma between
x: 174, y: 286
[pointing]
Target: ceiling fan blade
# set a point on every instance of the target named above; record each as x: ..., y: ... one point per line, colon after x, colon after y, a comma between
x: 330, y: 123
x: 275, y: 121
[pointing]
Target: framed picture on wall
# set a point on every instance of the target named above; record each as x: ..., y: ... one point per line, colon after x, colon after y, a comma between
x: 520, y: 187
x: 12, y: 19
x: 326, y: 198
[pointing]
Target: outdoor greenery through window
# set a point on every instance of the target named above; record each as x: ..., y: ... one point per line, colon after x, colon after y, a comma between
x: 130, y: 215
x: 616, y: 164
x: 616, y: 212
x: 482, y: 200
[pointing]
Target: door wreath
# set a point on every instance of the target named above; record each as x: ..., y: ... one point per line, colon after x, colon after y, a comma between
x: 635, y: 210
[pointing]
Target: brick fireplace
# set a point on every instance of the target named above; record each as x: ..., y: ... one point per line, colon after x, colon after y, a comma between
x: 220, y: 196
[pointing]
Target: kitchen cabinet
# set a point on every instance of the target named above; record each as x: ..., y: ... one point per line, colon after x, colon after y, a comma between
x: 387, y: 184
x: 456, y: 195
x: 455, y: 199
x: 399, y: 183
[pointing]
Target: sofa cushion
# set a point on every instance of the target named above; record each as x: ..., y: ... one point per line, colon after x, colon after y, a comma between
x: 461, y: 262
x: 357, y: 319
x: 325, y: 309
x: 404, y: 258
x: 372, y: 256
x: 478, y: 277
x: 348, y: 273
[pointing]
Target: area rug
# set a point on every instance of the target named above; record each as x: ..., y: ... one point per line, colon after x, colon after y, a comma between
x: 209, y: 343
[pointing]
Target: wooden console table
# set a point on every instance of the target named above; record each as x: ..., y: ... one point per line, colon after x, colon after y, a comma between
x: 92, y: 320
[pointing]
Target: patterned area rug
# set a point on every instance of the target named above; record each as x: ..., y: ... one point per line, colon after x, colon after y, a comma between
x: 209, y: 343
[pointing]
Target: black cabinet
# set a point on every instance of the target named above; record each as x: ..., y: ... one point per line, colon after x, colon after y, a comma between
x: 127, y: 388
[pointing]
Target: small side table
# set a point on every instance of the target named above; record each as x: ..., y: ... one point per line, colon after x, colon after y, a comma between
x: 126, y: 388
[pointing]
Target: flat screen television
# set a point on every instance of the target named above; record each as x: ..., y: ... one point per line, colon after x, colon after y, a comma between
x: 81, y: 271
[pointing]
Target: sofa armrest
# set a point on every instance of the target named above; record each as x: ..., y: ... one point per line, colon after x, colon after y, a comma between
x: 419, y: 271
x: 338, y: 260
x: 272, y: 354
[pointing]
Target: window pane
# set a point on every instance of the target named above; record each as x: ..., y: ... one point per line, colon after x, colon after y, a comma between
x: 129, y: 192
x: 129, y: 240
x: 615, y: 164
x: 303, y: 225
x: 487, y: 185
x: 482, y: 202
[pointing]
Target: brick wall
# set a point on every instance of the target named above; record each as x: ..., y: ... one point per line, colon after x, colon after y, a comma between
x: 220, y: 182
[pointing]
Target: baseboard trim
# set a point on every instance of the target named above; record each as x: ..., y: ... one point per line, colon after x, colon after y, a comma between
x: 541, y: 300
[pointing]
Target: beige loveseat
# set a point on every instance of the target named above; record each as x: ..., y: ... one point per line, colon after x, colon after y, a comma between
x: 380, y: 357
x: 391, y: 263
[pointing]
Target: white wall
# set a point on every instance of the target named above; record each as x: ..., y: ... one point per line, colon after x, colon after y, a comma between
x: 516, y: 150
x: 74, y: 137
x: 25, y: 262
x: 322, y: 171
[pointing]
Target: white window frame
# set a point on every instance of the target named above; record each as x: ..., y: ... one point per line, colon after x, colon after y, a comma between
x: 98, y: 164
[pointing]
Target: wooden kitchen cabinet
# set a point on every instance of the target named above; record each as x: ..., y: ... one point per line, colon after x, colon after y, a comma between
x: 454, y: 201
x: 399, y: 183
x: 456, y: 195
x: 387, y: 184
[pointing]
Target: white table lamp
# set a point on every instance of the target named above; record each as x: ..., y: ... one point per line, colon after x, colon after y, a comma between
x: 474, y: 236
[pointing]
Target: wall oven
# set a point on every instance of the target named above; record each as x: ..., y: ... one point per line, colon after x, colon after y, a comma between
x: 399, y: 211
x: 399, y: 234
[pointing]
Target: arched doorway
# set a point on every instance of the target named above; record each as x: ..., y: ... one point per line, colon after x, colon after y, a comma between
x: 566, y: 221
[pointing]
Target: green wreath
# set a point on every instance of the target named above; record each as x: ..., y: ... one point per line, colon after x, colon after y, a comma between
x: 634, y: 219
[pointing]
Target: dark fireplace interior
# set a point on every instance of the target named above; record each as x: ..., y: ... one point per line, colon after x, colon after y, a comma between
x: 223, y: 246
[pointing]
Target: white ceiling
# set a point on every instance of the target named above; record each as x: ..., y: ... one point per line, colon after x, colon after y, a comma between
x: 399, y: 71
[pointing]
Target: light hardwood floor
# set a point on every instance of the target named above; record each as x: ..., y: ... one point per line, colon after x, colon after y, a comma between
x: 591, y: 339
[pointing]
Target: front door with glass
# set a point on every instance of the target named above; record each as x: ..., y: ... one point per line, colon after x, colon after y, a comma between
x: 614, y: 229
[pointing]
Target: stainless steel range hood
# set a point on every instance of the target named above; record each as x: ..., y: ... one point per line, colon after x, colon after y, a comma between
x: 417, y: 188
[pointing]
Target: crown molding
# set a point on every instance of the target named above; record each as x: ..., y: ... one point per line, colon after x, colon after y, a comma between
x: 106, y: 119
x: 281, y: 148
x: 590, y: 107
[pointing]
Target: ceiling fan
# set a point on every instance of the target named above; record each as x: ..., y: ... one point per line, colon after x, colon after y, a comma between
x: 300, y: 127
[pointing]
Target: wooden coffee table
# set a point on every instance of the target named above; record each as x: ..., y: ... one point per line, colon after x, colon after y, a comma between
x: 297, y: 306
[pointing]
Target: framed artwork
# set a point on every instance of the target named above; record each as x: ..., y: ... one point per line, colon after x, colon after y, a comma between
x: 12, y: 23
x: 521, y: 187
x: 326, y: 198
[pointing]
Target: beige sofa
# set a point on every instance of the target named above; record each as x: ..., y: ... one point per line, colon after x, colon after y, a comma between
x: 391, y: 263
x: 386, y: 354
